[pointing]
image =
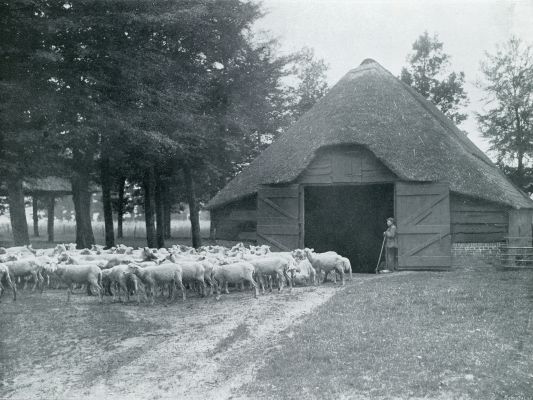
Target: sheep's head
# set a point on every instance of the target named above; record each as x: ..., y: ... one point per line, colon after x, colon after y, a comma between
x: 60, y: 249
x: 292, y: 266
x: 11, y: 257
x: 299, y: 254
x: 58, y: 269
x: 50, y: 267
x: 170, y: 257
x: 264, y: 249
x: 148, y: 254
x: 134, y: 268
x: 63, y: 257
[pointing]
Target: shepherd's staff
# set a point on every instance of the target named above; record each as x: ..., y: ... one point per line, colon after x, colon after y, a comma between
x: 380, y: 254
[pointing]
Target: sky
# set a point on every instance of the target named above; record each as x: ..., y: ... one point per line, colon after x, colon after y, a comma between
x: 345, y: 32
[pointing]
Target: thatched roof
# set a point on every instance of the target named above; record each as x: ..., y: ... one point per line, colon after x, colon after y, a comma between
x: 50, y: 184
x: 47, y: 185
x: 371, y: 107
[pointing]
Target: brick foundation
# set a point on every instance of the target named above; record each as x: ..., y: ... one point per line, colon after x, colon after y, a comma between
x: 466, y: 253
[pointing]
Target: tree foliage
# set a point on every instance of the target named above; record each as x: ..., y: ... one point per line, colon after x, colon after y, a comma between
x: 311, y: 82
x: 507, y: 120
x: 427, y: 74
x: 107, y: 90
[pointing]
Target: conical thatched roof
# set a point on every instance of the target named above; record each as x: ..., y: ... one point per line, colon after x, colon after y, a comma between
x: 372, y: 108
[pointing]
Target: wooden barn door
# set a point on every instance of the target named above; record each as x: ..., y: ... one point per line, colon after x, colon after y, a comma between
x: 423, y: 221
x: 278, y: 217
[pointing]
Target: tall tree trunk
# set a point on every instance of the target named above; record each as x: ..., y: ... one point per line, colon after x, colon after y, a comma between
x: 520, y: 170
x: 193, y: 207
x: 51, y: 216
x: 159, y: 212
x: 212, y: 226
x: 167, y: 211
x: 120, y: 207
x: 35, y: 207
x: 148, y: 184
x: 105, y: 177
x: 520, y: 139
x: 81, y: 197
x: 17, y: 211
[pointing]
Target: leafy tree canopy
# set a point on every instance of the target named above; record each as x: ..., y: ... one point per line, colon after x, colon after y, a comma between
x: 427, y: 73
x: 507, y: 119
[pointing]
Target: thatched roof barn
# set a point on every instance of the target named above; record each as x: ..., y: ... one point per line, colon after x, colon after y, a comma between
x: 50, y: 185
x: 373, y: 129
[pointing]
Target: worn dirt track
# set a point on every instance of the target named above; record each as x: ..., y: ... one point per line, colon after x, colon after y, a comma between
x: 200, y: 349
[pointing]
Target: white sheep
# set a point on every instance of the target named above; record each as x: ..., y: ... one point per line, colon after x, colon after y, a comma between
x: 273, y: 266
x: 4, y: 277
x: 26, y: 250
x: 326, y: 262
x: 124, y: 280
x: 26, y: 267
x: 88, y: 274
x: 304, y: 273
x: 164, y: 274
x: 235, y: 273
x: 194, y: 270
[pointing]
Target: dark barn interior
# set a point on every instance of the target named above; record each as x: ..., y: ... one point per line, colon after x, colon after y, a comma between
x: 348, y: 219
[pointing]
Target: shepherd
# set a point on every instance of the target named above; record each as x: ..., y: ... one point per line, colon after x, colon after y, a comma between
x: 391, y: 245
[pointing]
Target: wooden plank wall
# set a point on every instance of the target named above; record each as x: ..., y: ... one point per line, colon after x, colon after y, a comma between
x: 236, y: 221
x: 346, y: 164
x: 332, y: 165
x: 278, y: 216
x: 477, y: 221
x: 520, y: 228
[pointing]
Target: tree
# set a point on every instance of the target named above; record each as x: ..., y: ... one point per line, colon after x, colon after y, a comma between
x: 24, y: 105
x: 312, y: 84
x: 427, y: 74
x: 507, y: 120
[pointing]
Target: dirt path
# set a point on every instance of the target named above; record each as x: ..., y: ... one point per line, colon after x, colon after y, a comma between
x: 212, y: 353
x: 202, y: 349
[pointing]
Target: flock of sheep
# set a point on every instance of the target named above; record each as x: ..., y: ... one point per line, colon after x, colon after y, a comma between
x: 126, y: 271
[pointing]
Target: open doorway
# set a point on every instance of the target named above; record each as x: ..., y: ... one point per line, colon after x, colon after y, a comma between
x: 348, y: 219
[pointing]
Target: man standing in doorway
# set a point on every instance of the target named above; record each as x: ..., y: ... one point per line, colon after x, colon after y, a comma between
x: 391, y: 245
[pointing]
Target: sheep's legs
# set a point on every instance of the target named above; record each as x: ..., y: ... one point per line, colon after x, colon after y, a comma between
x: 261, y: 280
x: 210, y: 283
x: 254, y: 287
x: 183, y: 292
x: 221, y: 283
x: 35, y: 281
x: 69, y: 291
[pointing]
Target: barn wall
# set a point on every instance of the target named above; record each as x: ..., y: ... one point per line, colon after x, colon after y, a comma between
x: 477, y: 221
x: 520, y: 227
x: 347, y: 164
x: 236, y: 221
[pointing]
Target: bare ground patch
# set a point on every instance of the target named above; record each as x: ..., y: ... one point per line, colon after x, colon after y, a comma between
x: 198, y: 349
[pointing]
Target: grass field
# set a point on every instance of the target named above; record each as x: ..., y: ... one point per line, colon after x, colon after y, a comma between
x: 463, y: 334
x: 134, y: 232
x: 445, y: 335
